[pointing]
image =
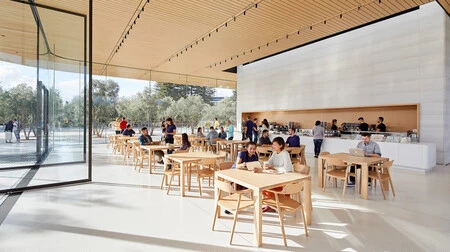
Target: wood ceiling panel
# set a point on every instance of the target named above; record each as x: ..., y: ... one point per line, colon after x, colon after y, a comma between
x: 445, y: 4
x: 166, y: 28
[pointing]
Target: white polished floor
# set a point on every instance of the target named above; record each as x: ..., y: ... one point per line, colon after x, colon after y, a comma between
x: 123, y: 210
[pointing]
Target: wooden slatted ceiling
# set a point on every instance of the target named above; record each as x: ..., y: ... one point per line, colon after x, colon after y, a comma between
x: 166, y: 28
x: 446, y: 5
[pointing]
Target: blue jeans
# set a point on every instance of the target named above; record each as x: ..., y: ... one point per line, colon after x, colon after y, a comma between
x: 317, y: 145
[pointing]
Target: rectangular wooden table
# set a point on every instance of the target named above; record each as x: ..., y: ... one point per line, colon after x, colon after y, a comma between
x: 189, y: 157
x: 233, y: 146
x: 151, y: 152
x: 347, y: 158
x: 259, y: 182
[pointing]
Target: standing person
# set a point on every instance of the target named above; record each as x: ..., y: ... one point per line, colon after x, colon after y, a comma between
x: 163, y: 127
x: 216, y: 124
x: 8, y: 132
x: 293, y: 140
x: 255, y: 130
x: 123, y: 125
x: 117, y: 125
x: 248, y: 128
x: 318, y: 133
x: 16, y: 130
x: 362, y: 125
x: 264, y: 125
x: 171, y: 130
x: 230, y: 130
x: 381, y: 127
x: 222, y: 134
x: 333, y: 125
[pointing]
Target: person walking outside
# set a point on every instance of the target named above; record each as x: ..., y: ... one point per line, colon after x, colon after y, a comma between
x: 16, y: 130
x: 8, y: 132
x: 216, y: 124
x: 123, y: 125
x: 318, y: 133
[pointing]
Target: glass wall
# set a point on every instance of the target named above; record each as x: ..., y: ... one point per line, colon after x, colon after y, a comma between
x: 43, y: 54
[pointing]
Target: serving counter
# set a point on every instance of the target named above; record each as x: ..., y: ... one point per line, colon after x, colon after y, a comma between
x: 411, y: 156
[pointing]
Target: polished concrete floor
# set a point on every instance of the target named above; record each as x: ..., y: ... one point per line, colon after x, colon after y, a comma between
x: 123, y: 210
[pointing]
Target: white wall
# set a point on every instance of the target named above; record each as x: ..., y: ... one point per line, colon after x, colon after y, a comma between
x: 397, y: 61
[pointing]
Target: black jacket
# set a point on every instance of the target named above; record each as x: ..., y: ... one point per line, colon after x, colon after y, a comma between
x: 9, y: 126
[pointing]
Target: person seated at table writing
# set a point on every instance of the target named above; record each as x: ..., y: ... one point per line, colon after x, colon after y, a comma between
x: 280, y: 161
x: 145, y: 139
x: 370, y: 148
x: 248, y: 155
x: 185, y: 144
x: 199, y: 132
x: 211, y: 135
x: 128, y: 131
x: 222, y: 134
x: 264, y: 139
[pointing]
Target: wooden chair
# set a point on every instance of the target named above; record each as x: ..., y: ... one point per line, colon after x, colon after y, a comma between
x: 295, y: 154
x: 128, y: 150
x: 174, y: 171
x: 225, y: 165
x: 198, y: 144
x: 302, y: 154
x: 341, y: 174
x: 285, y: 204
x: 381, y: 173
x: 233, y: 201
x: 212, y: 146
x: 302, y: 169
x: 263, y: 153
x: 205, y: 169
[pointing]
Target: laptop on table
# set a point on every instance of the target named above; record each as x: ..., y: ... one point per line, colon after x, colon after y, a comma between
x: 357, y: 152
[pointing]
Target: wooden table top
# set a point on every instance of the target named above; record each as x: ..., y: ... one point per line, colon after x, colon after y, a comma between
x: 195, y: 154
x: 346, y: 157
x: 260, y: 180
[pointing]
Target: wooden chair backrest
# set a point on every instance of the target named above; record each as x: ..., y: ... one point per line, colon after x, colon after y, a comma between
x: 387, y: 164
x: 214, y: 140
x: 335, y: 162
x: 292, y: 188
x: 262, y: 150
x: 225, y: 165
x: 208, y: 161
x: 303, y: 169
x: 324, y: 153
x: 225, y: 186
x: 295, y: 150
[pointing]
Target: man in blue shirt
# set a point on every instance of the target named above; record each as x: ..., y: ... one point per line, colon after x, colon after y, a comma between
x: 128, y: 131
x: 293, y: 140
x: 248, y: 128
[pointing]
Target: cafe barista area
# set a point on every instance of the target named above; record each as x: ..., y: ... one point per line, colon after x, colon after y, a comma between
x: 401, y: 141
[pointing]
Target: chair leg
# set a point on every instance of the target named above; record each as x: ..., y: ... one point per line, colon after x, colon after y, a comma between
x: 282, y: 227
x: 162, y: 182
x: 304, y: 221
x: 170, y: 183
x: 344, y: 186
x: 325, y: 184
x: 199, y: 185
x: 215, y: 216
x: 382, y: 187
x: 392, y: 186
x: 234, y: 224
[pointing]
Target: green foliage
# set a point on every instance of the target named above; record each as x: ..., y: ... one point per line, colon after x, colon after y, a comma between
x: 188, y: 110
x: 73, y: 112
x: 104, y: 99
x: 177, y: 91
x: 224, y: 110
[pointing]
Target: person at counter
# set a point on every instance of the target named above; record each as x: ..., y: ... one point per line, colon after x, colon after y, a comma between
x: 370, y: 148
x: 318, y: 132
x: 362, y: 125
x: 248, y: 128
x: 293, y: 140
x: 381, y: 127
x: 333, y: 124
x: 255, y: 130
x: 264, y: 139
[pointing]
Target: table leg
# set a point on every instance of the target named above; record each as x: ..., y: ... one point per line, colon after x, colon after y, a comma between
x: 150, y: 158
x: 182, y: 175
x: 258, y: 216
x: 363, y: 182
x: 320, y: 172
x: 216, y: 195
x: 307, y: 201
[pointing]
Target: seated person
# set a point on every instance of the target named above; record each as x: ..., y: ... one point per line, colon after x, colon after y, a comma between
x: 248, y: 155
x: 128, y: 131
x: 145, y: 139
x: 211, y: 135
x: 264, y: 139
x: 293, y: 140
x: 222, y: 134
x: 281, y: 161
x: 370, y: 148
x: 200, y: 132
x: 185, y: 144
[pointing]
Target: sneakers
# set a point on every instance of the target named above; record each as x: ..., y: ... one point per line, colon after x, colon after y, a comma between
x: 160, y: 162
x: 316, y: 156
x: 228, y: 212
x: 351, y: 184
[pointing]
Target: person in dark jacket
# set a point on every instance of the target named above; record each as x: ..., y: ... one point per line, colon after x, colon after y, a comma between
x: 8, y: 132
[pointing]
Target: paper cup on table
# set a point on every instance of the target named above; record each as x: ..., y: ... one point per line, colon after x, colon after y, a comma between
x: 266, y: 164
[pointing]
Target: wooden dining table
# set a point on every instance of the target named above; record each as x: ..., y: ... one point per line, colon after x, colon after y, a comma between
x: 123, y: 142
x: 234, y: 144
x: 187, y: 158
x: 151, y: 152
x: 364, y: 162
x: 259, y: 182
